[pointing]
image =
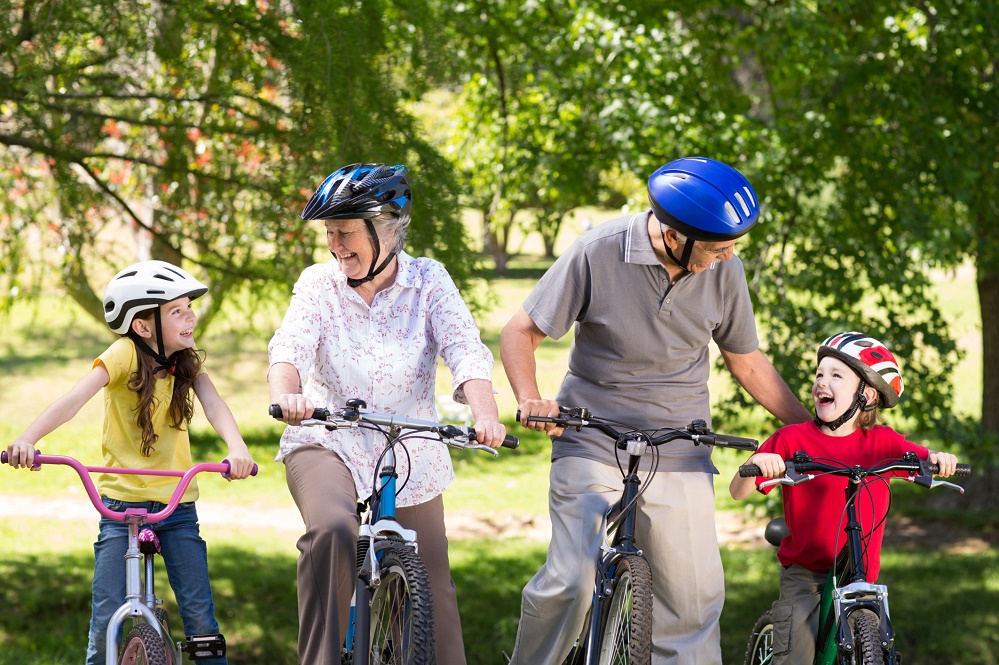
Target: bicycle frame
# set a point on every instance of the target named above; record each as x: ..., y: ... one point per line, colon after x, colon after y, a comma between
x: 621, y: 517
x: 140, y: 598
x: 380, y: 526
x: 846, y: 589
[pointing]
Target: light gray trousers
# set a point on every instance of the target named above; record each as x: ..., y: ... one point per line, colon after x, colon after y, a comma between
x: 675, y: 531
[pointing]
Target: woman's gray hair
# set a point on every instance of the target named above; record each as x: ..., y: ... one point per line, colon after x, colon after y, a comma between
x: 387, y: 223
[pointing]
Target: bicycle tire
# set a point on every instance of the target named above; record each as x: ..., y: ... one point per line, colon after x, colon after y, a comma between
x: 760, y: 649
x: 402, y: 624
x: 867, y: 638
x: 626, y: 624
x: 143, y: 646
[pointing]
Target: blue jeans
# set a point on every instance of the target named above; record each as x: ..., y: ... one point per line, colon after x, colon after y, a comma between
x: 185, y: 556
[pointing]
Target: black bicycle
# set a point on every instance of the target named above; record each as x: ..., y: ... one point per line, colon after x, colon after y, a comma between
x: 854, y: 624
x: 618, y: 629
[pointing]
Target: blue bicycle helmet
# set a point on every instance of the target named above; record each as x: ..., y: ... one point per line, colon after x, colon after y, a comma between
x: 362, y: 191
x: 702, y: 199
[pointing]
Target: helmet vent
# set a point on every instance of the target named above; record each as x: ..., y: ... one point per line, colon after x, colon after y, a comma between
x: 730, y: 209
x: 155, y: 292
x: 749, y: 195
x: 165, y: 278
x: 127, y: 274
x: 742, y: 202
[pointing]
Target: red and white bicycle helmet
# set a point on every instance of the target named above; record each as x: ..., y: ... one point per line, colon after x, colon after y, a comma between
x: 870, y: 359
x: 143, y: 286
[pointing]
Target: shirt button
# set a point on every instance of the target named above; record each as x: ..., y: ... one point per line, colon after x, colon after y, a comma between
x: 667, y: 300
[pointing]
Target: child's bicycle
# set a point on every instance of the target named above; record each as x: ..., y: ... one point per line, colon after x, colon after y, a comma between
x: 148, y: 639
x: 618, y: 629
x: 854, y: 624
x: 391, y: 613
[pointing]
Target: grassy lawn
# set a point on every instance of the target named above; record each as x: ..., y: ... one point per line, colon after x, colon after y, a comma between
x: 944, y: 602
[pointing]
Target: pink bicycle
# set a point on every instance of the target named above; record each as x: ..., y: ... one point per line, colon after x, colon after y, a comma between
x: 148, y: 640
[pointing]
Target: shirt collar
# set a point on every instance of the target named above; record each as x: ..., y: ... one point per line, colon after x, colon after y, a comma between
x: 637, y: 244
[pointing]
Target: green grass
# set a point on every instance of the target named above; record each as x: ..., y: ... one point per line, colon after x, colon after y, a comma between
x: 944, y: 604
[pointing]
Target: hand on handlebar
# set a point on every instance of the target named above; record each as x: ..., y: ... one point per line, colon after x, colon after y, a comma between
x: 240, y: 465
x: 547, y: 408
x: 771, y: 465
x: 946, y: 461
x: 21, y: 454
x: 490, y: 432
x: 295, y: 407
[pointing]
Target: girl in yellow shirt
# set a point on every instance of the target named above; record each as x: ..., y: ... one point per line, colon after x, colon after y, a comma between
x: 148, y: 404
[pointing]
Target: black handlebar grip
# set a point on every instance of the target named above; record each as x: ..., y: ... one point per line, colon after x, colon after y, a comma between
x: 737, y: 442
x: 961, y: 470
x: 749, y: 471
x: 3, y: 457
x: 318, y: 414
x: 511, y: 442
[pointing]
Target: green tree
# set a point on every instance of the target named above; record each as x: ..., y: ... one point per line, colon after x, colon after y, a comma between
x: 203, y: 126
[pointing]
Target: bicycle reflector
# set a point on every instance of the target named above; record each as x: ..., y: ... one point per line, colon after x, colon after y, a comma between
x: 202, y: 647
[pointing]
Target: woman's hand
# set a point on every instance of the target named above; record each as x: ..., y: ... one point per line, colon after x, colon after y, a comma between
x: 295, y: 407
x: 490, y: 432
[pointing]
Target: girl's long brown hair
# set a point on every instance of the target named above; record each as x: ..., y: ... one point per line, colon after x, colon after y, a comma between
x: 143, y: 383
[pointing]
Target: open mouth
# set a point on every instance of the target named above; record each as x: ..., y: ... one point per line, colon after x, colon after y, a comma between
x: 824, y: 399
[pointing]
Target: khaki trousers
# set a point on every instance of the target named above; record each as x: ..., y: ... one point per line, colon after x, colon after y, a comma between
x: 796, y: 615
x: 324, y: 492
x: 675, y: 531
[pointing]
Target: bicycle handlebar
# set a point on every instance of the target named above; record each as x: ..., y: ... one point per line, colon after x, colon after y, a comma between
x: 84, y: 472
x: 697, y: 431
x: 797, y: 470
x: 450, y: 434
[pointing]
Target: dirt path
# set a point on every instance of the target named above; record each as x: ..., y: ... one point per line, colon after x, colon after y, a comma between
x: 734, y: 528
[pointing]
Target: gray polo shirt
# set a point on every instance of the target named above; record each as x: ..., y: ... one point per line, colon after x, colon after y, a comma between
x: 640, y: 353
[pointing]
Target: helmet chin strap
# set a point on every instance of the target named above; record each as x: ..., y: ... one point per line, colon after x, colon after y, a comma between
x: 372, y: 271
x: 859, y: 403
x: 168, y: 364
x: 688, y: 247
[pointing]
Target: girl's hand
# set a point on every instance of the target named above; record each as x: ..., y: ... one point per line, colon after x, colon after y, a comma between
x: 771, y: 464
x: 240, y: 464
x: 946, y: 462
x: 490, y: 432
x: 21, y: 453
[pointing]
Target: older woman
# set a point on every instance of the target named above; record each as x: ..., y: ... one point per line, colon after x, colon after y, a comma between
x: 371, y: 324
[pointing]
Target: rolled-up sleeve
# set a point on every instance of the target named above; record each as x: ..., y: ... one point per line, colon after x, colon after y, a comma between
x: 458, y: 339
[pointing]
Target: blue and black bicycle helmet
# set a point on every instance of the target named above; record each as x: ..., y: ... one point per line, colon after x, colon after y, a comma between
x: 362, y: 191
x: 703, y: 199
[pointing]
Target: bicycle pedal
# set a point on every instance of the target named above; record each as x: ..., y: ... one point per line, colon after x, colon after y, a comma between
x: 201, y: 647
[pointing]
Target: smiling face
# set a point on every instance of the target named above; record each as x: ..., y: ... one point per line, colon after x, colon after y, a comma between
x: 835, y: 390
x: 177, y: 319
x: 350, y: 243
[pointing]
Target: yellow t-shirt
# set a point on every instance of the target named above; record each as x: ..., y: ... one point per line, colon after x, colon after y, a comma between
x: 123, y: 437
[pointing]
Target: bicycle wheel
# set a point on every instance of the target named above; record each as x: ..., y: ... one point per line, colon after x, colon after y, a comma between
x: 626, y: 627
x: 143, y: 646
x: 402, y: 625
x: 760, y: 649
x: 867, y: 639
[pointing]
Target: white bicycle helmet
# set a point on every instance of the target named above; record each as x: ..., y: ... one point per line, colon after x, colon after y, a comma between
x: 143, y: 286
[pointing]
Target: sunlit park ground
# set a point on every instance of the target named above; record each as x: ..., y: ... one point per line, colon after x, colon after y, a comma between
x: 945, y: 582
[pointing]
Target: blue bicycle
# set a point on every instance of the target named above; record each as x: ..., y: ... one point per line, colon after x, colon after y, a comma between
x: 391, y: 614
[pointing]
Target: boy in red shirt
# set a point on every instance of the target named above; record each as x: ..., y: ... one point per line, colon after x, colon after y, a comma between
x: 856, y: 376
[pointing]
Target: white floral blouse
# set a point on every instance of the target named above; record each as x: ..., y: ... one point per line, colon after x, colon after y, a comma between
x: 385, y: 354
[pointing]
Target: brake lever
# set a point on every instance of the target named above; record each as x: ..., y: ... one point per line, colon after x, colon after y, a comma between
x: 790, y: 477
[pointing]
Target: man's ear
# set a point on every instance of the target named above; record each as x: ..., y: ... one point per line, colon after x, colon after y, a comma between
x: 141, y: 328
x: 669, y: 236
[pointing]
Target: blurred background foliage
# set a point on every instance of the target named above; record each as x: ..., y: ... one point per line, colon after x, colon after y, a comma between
x: 194, y: 130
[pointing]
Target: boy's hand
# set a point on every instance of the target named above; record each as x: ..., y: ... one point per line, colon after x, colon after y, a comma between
x: 771, y: 464
x: 946, y: 462
x: 21, y: 453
